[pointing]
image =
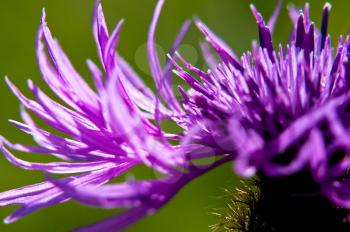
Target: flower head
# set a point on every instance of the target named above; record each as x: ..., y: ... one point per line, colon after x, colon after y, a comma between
x: 275, y: 113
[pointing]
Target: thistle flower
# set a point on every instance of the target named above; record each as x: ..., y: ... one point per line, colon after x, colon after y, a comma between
x: 275, y: 114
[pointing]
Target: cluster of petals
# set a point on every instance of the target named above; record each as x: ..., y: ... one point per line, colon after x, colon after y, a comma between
x: 272, y: 111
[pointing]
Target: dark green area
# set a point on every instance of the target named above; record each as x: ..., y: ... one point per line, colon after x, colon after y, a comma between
x: 70, y: 21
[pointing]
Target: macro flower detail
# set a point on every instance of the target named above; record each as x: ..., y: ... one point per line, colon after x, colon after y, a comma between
x: 273, y: 113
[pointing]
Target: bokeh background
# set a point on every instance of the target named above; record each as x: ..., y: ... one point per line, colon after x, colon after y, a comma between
x: 70, y: 21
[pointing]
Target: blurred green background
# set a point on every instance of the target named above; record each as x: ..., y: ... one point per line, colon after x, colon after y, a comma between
x: 70, y: 21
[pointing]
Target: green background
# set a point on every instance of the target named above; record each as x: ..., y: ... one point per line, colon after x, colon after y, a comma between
x: 70, y: 21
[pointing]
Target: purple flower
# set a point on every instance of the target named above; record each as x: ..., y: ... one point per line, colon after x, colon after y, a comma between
x: 271, y: 112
